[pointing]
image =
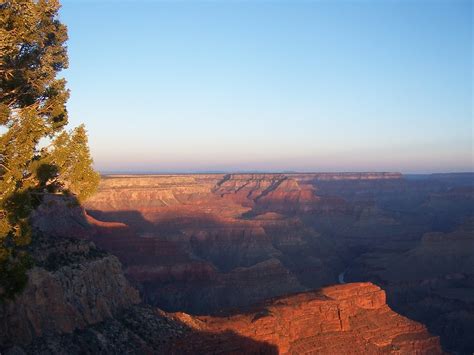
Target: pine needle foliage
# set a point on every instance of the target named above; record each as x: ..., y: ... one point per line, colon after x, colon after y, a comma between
x: 37, y: 154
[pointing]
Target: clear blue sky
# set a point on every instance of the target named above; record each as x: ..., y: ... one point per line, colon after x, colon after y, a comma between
x: 273, y: 85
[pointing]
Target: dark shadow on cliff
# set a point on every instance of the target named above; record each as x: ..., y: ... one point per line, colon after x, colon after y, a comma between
x: 181, y: 235
x: 226, y: 342
x: 143, y: 329
x: 131, y: 218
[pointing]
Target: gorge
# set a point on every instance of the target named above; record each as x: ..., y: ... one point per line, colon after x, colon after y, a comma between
x: 251, y: 262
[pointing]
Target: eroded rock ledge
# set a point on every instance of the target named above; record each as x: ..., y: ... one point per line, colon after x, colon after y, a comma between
x: 351, y: 318
x: 73, y: 286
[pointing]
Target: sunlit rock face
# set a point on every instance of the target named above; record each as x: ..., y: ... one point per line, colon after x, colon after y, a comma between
x: 352, y: 318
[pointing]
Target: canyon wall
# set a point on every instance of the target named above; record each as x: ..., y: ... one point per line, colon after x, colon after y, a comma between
x: 190, y: 241
x: 78, y: 301
x: 340, y: 319
x: 193, y: 242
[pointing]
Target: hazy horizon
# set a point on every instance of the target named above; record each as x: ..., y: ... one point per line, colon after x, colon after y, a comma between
x: 211, y: 172
x: 273, y: 85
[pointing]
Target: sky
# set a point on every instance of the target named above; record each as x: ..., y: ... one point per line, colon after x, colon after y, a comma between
x: 223, y: 85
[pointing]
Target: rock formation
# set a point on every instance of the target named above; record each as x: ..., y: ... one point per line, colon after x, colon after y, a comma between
x: 193, y: 242
x: 206, y: 244
x: 352, y: 318
x: 72, y: 286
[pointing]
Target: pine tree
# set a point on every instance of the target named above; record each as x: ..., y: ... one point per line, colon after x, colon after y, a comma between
x: 33, y: 110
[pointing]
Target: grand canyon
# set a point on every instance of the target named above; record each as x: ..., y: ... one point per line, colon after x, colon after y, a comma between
x: 236, y: 177
x: 326, y: 263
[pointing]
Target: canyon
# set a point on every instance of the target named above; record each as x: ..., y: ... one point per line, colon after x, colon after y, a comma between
x: 249, y: 263
x: 78, y: 301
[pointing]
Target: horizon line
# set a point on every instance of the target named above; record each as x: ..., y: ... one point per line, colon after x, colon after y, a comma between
x: 288, y: 172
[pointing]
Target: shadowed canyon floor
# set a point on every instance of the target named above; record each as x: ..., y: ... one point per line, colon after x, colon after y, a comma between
x: 231, y: 249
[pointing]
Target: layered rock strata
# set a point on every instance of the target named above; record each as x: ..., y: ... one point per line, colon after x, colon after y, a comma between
x: 352, y: 318
x: 72, y: 286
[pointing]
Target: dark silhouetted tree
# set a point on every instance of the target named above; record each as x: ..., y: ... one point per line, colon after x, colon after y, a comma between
x: 37, y: 154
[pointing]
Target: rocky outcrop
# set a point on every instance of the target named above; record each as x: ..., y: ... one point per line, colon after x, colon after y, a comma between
x: 351, y: 318
x: 72, y: 286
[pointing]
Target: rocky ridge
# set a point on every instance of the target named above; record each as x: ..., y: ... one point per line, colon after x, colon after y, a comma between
x: 352, y: 318
x: 72, y: 286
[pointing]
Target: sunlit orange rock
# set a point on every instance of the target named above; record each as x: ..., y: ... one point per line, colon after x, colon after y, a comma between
x: 352, y: 318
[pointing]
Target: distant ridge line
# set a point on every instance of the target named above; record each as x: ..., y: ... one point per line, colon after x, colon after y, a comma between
x: 321, y: 176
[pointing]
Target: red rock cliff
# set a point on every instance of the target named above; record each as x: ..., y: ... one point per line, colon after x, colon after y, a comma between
x: 343, y: 319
